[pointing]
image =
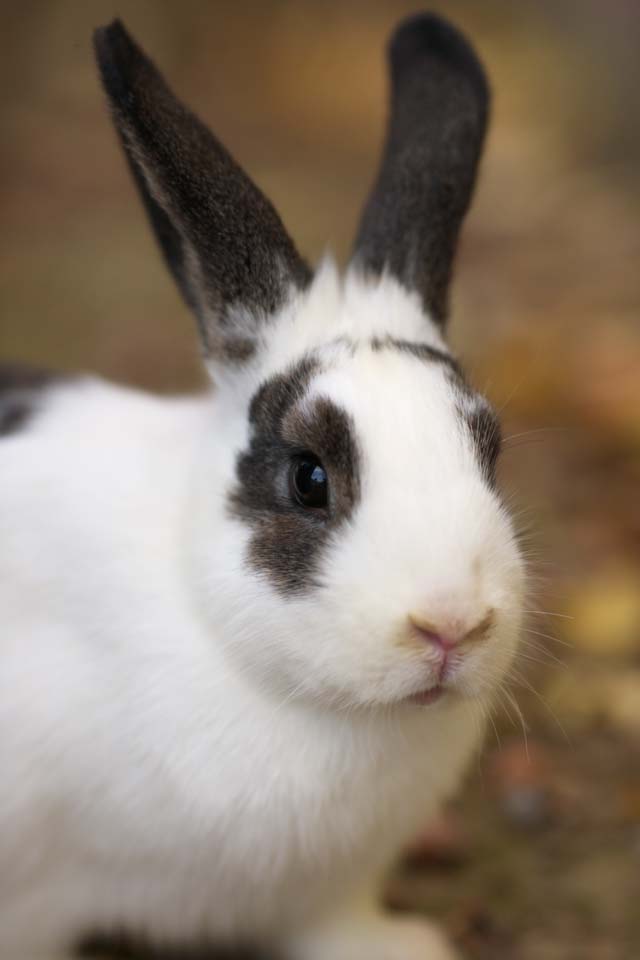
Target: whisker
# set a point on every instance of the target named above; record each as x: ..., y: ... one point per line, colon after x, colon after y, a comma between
x: 542, y: 661
x: 516, y: 706
x: 548, y: 636
x: 522, y: 681
x: 534, y: 432
x: 495, y: 730
x: 507, y: 697
x: 550, y: 613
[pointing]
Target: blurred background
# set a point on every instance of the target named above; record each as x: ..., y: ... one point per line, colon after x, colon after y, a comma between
x: 540, y: 857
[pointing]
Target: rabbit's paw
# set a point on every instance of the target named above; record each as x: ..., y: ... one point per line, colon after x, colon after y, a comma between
x: 376, y: 938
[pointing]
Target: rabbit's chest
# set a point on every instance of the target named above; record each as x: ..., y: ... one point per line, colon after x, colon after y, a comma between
x: 294, y: 827
x: 213, y: 840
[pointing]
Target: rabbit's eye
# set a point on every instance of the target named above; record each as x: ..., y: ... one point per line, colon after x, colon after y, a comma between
x: 308, y: 482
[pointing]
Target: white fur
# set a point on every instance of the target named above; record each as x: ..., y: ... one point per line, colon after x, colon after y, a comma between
x: 184, y: 752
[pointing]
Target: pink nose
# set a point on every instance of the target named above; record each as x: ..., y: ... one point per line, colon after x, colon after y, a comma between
x: 451, y: 633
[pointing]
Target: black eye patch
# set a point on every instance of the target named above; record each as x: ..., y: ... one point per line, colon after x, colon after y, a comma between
x: 287, y: 540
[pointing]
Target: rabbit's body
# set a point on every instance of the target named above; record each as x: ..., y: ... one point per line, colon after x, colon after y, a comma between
x: 139, y: 749
x: 250, y: 639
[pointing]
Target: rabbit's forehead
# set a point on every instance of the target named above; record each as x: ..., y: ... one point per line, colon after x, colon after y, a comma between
x: 344, y: 311
x: 404, y: 398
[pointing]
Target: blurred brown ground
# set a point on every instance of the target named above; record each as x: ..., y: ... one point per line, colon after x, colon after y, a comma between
x: 546, y: 316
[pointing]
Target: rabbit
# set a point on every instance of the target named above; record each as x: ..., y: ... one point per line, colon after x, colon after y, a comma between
x: 251, y: 638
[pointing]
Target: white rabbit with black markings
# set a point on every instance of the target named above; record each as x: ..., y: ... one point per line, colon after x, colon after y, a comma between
x: 250, y: 639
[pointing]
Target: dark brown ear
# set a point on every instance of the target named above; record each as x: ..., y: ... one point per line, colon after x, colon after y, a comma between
x: 222, y: 240
x: 437, y: 122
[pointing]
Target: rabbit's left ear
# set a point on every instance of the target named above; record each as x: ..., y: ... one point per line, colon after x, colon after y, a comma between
x: 437, y: 121
x: 223, y: 241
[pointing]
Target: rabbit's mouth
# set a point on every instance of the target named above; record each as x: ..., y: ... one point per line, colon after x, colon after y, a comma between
x: 424, y: 698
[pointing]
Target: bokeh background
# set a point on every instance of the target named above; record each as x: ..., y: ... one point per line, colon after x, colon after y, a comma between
x: 540, y: 857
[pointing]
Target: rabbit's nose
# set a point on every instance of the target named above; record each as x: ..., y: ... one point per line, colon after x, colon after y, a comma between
x: 449, y: 633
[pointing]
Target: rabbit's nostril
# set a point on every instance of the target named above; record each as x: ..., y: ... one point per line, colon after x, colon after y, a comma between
x: 429, y: 634
x: 450, y: 633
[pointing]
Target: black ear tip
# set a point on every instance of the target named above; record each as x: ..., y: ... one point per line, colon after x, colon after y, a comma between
x: 112, y: 40
x: 427, y: 37
x: 117, y: 56
x: 112, y: 30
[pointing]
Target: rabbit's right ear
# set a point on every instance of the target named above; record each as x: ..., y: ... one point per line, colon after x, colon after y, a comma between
x: 223, y: 241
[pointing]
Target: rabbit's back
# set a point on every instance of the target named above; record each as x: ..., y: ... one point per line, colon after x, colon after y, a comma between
x: 94, y: 483
x: 96, y: 623
x: 90, y: 474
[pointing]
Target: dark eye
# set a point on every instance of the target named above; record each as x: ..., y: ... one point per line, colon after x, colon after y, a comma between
x: 308, y: 482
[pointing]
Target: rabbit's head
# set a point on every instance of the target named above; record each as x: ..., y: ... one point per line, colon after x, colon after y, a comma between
x: 351, y: 545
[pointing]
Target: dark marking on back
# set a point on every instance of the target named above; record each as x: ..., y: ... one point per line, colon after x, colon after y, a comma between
x: 21, y: 390
x: 123, y: 946
x: 287, y: 540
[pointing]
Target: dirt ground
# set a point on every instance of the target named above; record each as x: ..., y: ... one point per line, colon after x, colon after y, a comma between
x: 547, y: 870
x: 539, y: 859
